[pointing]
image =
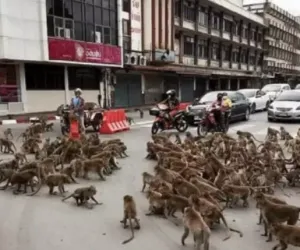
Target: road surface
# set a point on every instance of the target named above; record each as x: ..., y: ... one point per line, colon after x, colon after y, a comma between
x: 45, y: 223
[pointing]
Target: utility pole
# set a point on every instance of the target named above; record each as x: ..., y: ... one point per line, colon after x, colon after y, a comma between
x: 106, y: 82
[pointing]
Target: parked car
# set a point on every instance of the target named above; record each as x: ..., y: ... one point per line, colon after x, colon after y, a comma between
x: 257, y: 98
x: 285, y: 107
x: 274, y: 89
x: 240, y: 106
x: 297, y: 86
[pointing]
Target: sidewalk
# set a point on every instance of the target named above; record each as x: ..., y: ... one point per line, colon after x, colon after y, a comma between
x: 26, y: 118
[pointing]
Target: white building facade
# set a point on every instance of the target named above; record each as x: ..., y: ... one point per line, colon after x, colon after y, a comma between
x: 48, y: 48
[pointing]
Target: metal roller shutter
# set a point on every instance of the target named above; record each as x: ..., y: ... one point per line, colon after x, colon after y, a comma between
x: 187, y: 89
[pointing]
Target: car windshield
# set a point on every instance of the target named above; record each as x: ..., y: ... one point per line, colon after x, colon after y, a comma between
x: 271, y: 88
x: 209, y: 98
x: 289, y: 96
x: 248, y: 92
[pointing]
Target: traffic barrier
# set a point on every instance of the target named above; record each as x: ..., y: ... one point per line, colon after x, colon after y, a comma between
x: 74, y: 129
x: 114, y: 121
x: 183, y: 105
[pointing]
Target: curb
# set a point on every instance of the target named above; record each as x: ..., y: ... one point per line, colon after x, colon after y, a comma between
x: 26, y: 120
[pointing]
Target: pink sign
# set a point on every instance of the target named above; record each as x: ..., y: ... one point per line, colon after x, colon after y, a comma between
x: 70, y: 50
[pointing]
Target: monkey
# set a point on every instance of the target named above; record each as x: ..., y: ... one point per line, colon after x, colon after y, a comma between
x: 286, y: 234
x: 271, y: 132
x: 272, y: 213
x: 82, y: 195
x: 283, y: 133
x: 49, y: 127
x: 6, y: 174
x: 130, y: 214
x: 8, y: 132
x: 130, y: 120
x: 7, y: 146
x: 270, y: 198
x: 141, y: 112
x: 69, y: 172
x: 156, y: 203
x: 247, y: 135
x: 20, y: 158
x: 54, y: 180
x: 193, y: 221
x: 293, y: 176
x: 185, y: 188
x: 173, y: 203
x: 212, y: 212
x: 23, y: 178
x: 12, y: 164
x: 96, y: 165
x: 234, y: 193
x: 147, y: 179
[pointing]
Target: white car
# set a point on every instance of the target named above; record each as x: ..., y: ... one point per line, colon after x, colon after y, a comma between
x: 285, y: 107
x: 257, y: 98
x: 275, y: 89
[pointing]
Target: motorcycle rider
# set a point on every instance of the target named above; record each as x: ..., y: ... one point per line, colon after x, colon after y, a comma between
x: 173, y: 103
x: 226, y: 106
x: 77, y: 105
x: 217, y: 111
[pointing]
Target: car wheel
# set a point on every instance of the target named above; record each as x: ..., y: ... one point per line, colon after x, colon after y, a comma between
x: 247, y: 114
x: 253, y: 108
x: 270, y: 119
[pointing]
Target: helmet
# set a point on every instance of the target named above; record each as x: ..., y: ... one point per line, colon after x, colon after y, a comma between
x: 78, y: 90
x: 225, y: 94
x: 220, y: 95
x: 171, y: 92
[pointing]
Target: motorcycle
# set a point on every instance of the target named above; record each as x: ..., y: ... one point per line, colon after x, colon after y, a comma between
x: 92, y: 117
x: 209, y: 125
x: 161, y: 123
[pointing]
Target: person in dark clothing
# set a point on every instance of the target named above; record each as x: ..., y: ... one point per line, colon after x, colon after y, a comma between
x: 218, y: 112
x: 77, y: 105
x: 173, y: 103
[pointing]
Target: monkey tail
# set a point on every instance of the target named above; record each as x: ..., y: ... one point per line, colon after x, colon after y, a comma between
x: 68, y: 197
x: 132, y: 233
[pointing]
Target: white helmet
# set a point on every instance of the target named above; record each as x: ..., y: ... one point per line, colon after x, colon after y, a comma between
x: 78, y: 90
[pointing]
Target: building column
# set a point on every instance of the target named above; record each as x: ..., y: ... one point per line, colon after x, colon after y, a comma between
x: 22, y: 84
x: 229, y: 84
x: 238, y: 82
x: 66, y: 81
x: 207, y: 84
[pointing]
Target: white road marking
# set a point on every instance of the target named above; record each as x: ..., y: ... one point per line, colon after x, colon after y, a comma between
x: 9, y: 122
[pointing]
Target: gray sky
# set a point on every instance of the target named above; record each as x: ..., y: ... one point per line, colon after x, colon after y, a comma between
x: 293, y: 6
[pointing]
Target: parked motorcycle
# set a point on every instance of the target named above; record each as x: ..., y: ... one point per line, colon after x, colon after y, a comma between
x: 208, y: 123
x: 161, y: 122
x: 92, y: 117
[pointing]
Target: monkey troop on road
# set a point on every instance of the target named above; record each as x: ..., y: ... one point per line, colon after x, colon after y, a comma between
x: 193, y: 177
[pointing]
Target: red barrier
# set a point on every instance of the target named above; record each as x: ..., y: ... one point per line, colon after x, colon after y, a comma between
x: 183, y: 105
x: 74, y: 130
x: 114, y: 121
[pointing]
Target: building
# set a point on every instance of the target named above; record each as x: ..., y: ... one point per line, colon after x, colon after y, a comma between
x: 49, y: 48
x: 194, y: 46
x: 281, y: 43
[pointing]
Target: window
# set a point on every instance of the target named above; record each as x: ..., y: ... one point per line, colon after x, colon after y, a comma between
x: 189, y: 11
x: 252, y: 35
x: 126, y: 5
x: 89, y: 20
x: 44, y: 77
x: 203, y: 17
x: 245, y: 32
x: 188, y: 48
x: 126, y: 27
x: 227, y: 26
x: 83, y: 77
x: 178, y: 8
x: 215, y: 51
x: 202, y: 49
x: 259, y: 37
x: 127, y: 43
x: 252, y: 59
x: 235, y: 55
x: 216, y: 21
x: 226, y: 53
x: 235, y: 29
x: 243, y: 58
x: 240, y: 97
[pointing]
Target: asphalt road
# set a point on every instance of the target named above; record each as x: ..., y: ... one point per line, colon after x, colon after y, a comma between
x: 45, y: 223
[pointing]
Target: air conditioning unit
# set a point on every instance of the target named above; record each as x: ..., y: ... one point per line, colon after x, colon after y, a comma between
x: 142, y: 60
x: 133, y: 59
x: 59, y: 32
x: 97, y: 37
x: 68, y: 33
x: 127, y: 58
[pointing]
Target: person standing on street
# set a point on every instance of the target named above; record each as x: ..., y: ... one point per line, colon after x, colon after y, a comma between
x: 77, y: 105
